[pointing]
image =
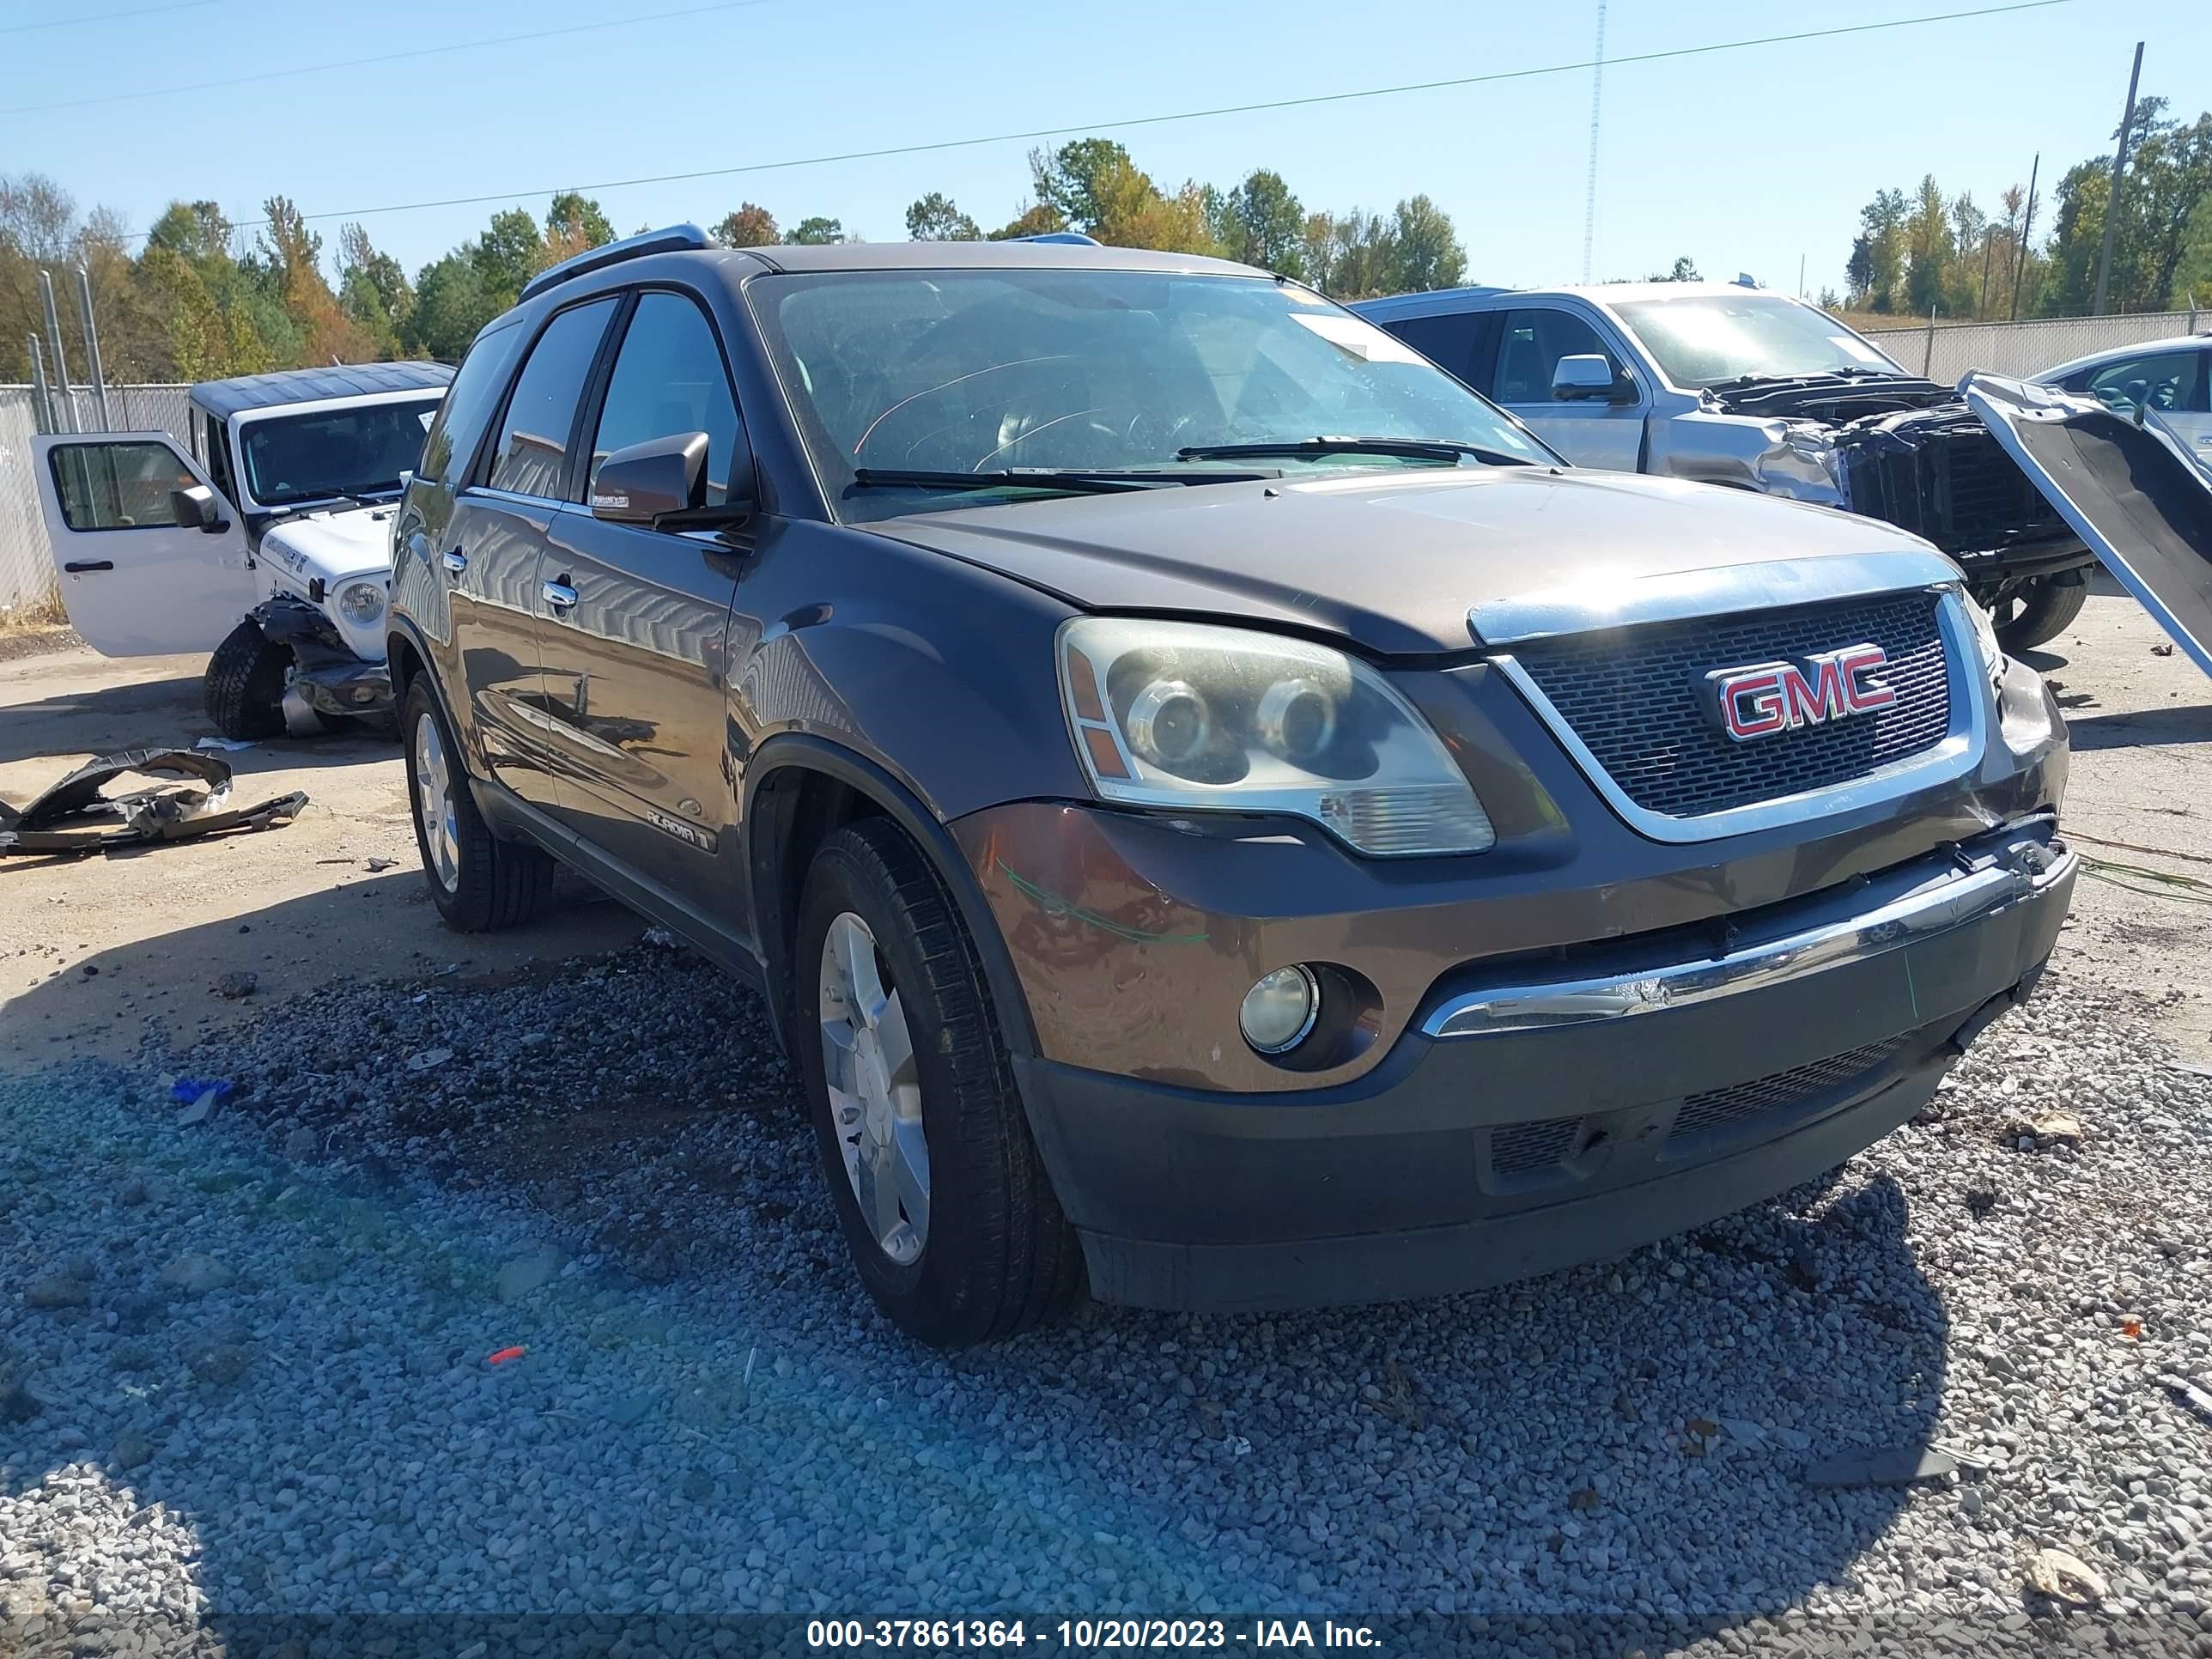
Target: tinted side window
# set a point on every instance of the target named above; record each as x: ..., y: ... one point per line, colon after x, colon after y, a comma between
x: 215, y: 450
x: 468, y: 407
x: 2171, y: 381
x: 1447, y: 341
x: 669, y: 378
x: 1535, y: 339
x: 111, y: 486
x: 531, y: 455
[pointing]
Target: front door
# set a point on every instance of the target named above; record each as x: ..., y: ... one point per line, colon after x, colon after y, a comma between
x: 493, y: 549
x: 1588, y: 431
x: 633, y: 665
x: 136, y: 583
x: 2176, y: 382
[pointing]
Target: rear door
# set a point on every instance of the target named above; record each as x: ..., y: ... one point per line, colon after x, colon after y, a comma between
x: 2131, y: 485
x: 635, y: 665
x: 136, y: 583
x: 490, y: 553
x: 1588, y: 431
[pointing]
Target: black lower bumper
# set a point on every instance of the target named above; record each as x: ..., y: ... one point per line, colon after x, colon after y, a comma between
x: 1467, y: 1161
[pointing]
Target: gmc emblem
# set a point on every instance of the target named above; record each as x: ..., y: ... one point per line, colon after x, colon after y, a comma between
x: 1760, y: 701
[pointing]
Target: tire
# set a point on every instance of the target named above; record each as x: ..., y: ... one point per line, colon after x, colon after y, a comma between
x: 243, y: 690
x: 2043, y: 609
x: 995, y: 1255
x: 478, y: 882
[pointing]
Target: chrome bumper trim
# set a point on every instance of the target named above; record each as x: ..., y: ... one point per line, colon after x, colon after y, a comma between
x: 1937, y: 907
x: 1605, y: 600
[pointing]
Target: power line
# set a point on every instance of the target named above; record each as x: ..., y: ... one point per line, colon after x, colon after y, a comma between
x: 940, y: 145
x: 360, y: 63
x: 105, y: 17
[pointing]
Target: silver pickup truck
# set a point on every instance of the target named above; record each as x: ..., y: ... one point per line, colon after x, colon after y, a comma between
x: 1728, y: 385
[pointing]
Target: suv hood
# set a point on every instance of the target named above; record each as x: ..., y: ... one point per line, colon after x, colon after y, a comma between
x: 334, y: 545
x: 2132, y: 490
x: 1393, y: 563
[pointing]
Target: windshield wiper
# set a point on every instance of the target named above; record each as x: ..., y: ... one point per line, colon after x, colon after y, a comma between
x: 1104, y: 483
x: 1412, y: 449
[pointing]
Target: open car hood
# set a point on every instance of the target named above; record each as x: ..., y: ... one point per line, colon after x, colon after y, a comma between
x: 2131, y: 488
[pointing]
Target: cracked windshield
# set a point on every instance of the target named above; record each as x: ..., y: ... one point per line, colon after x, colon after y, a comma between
x: 1166, y: 378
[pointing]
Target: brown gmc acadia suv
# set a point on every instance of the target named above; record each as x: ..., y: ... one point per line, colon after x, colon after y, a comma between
x: 1216, y: 809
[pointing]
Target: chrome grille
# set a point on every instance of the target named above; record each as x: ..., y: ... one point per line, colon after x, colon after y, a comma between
x: 1635, y: 698
x: 1721, y: 1108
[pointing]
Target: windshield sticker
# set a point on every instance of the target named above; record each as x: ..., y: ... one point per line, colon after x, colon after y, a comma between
x: 426, y: 418
x: 1362, y: 340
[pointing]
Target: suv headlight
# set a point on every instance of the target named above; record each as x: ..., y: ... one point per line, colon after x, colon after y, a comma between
x: 1191, y: 716
x: 360, y: 602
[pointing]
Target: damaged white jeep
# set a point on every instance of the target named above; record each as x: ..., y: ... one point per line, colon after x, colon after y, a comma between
x: 264, y: 537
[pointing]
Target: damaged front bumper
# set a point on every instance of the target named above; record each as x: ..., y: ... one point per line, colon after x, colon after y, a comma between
x: 327, y: 677
x: 1530, y: 1122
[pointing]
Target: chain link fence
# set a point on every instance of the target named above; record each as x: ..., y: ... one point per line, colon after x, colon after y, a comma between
x: 2025, y: 349
x: 27, y: 562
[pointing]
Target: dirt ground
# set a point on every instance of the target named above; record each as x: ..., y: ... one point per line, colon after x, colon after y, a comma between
x: 295, y: 906
x: 300, y: 905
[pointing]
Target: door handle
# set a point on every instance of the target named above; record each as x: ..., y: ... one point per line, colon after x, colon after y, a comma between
x: 78, y: 567
x: 560, y: 596
x: 454, y: 560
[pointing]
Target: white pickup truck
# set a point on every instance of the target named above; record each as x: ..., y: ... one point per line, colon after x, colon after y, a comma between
x: 262, y: 535
x: 1728, y: 385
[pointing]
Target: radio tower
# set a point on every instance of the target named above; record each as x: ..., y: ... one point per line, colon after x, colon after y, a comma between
x: 1597, y: 88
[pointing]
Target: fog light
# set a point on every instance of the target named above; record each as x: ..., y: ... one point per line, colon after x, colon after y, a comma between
x: 1280, y: 1009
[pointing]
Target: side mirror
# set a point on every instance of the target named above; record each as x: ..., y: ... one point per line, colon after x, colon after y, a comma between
x: 640, y: 484
x: 196, y: 509
x: 1586, y: 375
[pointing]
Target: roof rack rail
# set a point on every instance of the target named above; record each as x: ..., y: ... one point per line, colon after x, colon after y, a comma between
x: 676, y: 239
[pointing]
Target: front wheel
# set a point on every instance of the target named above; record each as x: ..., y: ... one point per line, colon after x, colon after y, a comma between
x: 2043, y: 609
x: 944, y: 1204
x: 244, y: 689
x: 478, y: 882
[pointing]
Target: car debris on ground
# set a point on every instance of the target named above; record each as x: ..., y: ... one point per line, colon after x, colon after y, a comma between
x: 76, y: 816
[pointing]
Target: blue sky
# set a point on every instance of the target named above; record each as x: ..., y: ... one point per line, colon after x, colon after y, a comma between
x: 1745, y: 160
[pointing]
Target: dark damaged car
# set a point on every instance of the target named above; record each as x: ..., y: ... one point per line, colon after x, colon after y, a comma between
x: 1734, y: 386
x: 1216, y: 811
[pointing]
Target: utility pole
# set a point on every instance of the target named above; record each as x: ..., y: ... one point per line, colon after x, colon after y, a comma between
x: 1801, y: 276
x: 2026, y: 228
x: 1590, y: 193
x: 2113, y: 196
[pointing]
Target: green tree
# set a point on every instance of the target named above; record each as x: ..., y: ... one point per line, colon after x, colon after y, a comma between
x: 1351, y: 255
x: 1040, y: 219
x: 374, y: 290
x: 1074, y: 179
x: 750, y: 225
x: 293, y: 255
x: 510, y: 250
x: 935, y: 218
x: 1261, y: 223
x: 1425, y: 251
x: 1685, y: 270
x: 451, y: 304
x: 574, y: 223
x: 1877, y: 264
x: 815, y: 232
x: 1929, y: 249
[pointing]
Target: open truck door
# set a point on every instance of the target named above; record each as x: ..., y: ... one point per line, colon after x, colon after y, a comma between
x: 136, y: 581
x: 2134, y: 488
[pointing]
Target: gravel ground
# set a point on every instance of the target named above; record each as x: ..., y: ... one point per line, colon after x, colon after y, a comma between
x: 244, y: 1364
